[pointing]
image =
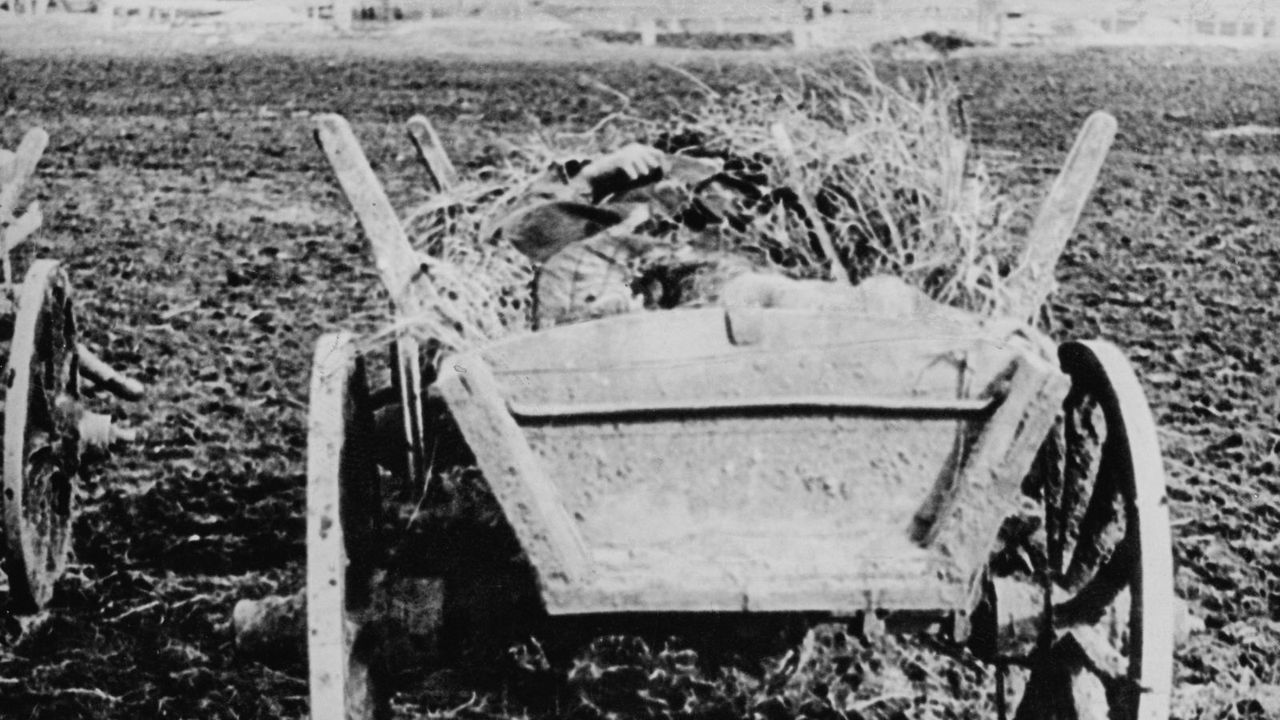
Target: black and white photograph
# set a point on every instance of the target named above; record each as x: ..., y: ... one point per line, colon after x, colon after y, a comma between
x: 640, y: 360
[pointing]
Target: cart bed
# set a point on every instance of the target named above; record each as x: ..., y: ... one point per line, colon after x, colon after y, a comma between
x: 764, y: 460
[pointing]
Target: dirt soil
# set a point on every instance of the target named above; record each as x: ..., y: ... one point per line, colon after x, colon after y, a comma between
x: 210, y: 247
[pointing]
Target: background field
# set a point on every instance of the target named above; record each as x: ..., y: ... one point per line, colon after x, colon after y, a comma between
x: 210, y: 248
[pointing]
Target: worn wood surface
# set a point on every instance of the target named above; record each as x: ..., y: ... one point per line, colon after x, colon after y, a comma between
x: 394, y: 256
x: 38, y: 504
x: 23, y: 227
x: 728, y: 407
x: 397, y: 263
x: 21, y: 169
x: 340, y: 681
x: 726, y: 509
x: 1134, y: 456
x: 1114, y: 623
x: 1059, y: 214
x: 988, y: 488
x: 432, y: 154
x: 529, y: 498
x: 94, y: 369
x: 6, y: 166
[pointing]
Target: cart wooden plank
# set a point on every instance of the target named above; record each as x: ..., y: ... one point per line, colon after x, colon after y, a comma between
x: 23, y: 227
x: 515, y: 474
x: 6, y: 166
x: 337, y: 572
x: 989, y: 487
x: 397, y: 262
x: 21, y: 169
x: 1059, y: 214
x: 393, y: 255
x: 432, y: 154
x: 764, y: 498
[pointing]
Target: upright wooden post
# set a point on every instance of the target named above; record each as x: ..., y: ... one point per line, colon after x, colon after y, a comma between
x: 342, y: 11
x: 648, y: 32
x: 1056, y: 221
x: 1000, y: 13
x: 432, y: 154
x: 397, y: 263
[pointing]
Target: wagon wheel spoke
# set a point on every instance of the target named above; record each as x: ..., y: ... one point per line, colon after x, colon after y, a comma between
x: 1108, y: 651
x: 1089, y: 603
x: 1089, y: 564
x: 50, y: 408
x: 1101, y: 525
x: 41, y: 442
x: 1082, y: 437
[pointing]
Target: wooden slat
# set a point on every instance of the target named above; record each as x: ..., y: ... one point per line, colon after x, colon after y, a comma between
x: 528, y: 497
x: 397, y: 262
x: 24, y: 165
x: 988, y: 487
x: 394, y: 256
x: 23, y: 227
x: 6, y: 166
x: 1059, y: 214
x: 1155, y: 621
x: 718, y: 488
x: 339, y: 680
x: 432, y: 153
x: 97, y: 371
x: 408, y: 370
x: 727, y: 406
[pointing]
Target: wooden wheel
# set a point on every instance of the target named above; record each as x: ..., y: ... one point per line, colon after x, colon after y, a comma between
x: 1102, y: 553
x: 342, y: 503
x: 41, y: 437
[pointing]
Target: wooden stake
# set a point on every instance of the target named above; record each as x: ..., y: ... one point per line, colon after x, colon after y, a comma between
x: 22, y: 228
x: 24, y: 165
x: 103, y: 375
x: 398, y: 265
x: 432, y: 154
x: 1058, y: 216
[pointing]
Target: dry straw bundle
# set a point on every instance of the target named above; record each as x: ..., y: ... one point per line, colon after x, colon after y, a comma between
x: 881, y: 172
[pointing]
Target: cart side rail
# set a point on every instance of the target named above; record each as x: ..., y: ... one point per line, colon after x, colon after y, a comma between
x: 431, y: 153
x: 1058, y: 215
x: 398, y: 265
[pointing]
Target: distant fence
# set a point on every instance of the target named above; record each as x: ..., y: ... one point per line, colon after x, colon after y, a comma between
x: 825, y: 23
x: 809, y: 23
x: 174, y: 13
x: 25, y: 7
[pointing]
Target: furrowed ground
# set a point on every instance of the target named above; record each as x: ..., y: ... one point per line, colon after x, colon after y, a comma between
x: 209, y: 248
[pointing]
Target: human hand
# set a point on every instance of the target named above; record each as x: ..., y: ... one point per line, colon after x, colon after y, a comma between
x: 635, y: 160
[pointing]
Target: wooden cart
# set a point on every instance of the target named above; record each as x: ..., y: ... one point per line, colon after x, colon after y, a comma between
x: 45, y: 429
x: 863, y: 466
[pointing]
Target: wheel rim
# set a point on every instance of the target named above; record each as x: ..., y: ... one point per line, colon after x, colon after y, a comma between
x: 1103, y: 553
x: 41, y: 437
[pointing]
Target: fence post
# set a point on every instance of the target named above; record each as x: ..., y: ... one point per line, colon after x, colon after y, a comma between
x: 342, y: 11
x: 801, y: 37
x: 648, y: 32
